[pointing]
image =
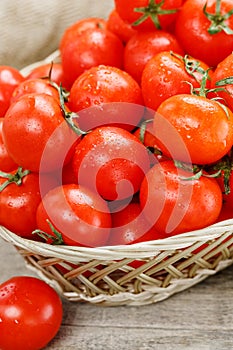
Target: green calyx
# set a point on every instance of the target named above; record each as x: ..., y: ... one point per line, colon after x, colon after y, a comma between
x: 218, y: 20
x: 56, y: 239
x: 16, y: 178
x: 152, y: 11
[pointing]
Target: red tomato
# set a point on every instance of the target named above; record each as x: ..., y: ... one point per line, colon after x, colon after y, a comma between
x: 6, y: 162
x: 115, y: 161
x: 18, y: 204
x: 167, y: 74
x: 224, y: 71
x: 30, y: 313
x: 152, y: 14
x: 87, y: 49
x: 35, y: 134
x: 100, y: 86
x: 81, y: 216
x: 174, y: 204
x: 193, y: 129
x: 143, y: 46
x: 43, y: 71
x: 119, y: 27
x: 130, y: 226
x: 35, y: 85
x: 210, y: 40
x: 9, y: 78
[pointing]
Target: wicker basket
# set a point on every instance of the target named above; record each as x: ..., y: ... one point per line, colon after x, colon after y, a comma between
x: 136, y: 274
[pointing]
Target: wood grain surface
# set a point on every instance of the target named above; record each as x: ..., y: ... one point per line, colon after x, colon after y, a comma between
x: 200, y: 318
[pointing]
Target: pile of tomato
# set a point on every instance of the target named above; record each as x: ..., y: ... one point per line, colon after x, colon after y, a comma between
x: 129, y: 137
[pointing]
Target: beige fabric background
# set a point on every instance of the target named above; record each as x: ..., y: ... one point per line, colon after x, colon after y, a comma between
x: 31, y: 29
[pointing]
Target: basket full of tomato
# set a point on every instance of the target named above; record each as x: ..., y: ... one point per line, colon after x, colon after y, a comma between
x: 116, y: 153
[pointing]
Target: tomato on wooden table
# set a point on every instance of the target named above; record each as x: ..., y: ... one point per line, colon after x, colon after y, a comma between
x: 30, y: 312
x: 105, y: 88
x: 205, y: 29
x: 174, y: 203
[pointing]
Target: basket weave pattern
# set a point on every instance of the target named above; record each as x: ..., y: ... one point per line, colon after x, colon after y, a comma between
x: 136, y: 274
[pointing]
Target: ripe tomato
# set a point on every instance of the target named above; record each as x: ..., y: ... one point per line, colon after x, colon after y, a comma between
x: 115, y: 161
x: 87, y: 49
x: 143, y: 46
x: 6, y: 162
x: 43, y: 71
x: 119, y: 27
x: 9, y: 78
x: 34, y: 131
x: 207, y: 35
x: 30, y: 313
x: 151, y: 14
x: 35, y: 85
x: 167, y: 74
x: 81, y: 216
x: 193, y: 129
x: 20, y: 198
x: 98, y: 87
x: 224, y: 71
x: 174, y: 204
x: 130, y: 226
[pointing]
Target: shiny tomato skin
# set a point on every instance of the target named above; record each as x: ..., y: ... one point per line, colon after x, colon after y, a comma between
x: 9, y: 78
x: 81, y: 216
x: 143, y: 46
x: 165, y: 75
x: 18, y: 203
x: 89, y: 49
x: 224, y: 70
x: 193, y: 128
x: 34, y: 85
x: 99, y: 87
x: 119, y: 27
x: 192, y: 31
x: 128, y: 13
x: 174, y: 204
x: 43, y: 71
x: 115, y: 161
x: 33, y: 123
x: 30, y: 312
x: 6, y: 162
x: 130, y: 226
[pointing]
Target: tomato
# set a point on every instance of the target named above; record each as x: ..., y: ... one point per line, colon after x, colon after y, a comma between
x: 224, y: 71
x: 30, y: 313
x: 143, y: 46
x: 6, y: 162
x: 35, y: 85
x: 18, y: 203
x: 174, y: 204
x: 9, y: 78
x: 100, y: 86
x: 167, y: 74
x: 35, y: 133
x: 207, y: 35
x: 80, y: 215
x: 193, y: 129
x: 130, y: 226
x: 119, y: 27
x: 151, y: 14
x: 87, y: 49
x: 115, y: 161
x: 43, y: 71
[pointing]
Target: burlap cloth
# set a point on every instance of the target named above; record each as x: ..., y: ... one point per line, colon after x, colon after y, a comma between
x: 31, y: 29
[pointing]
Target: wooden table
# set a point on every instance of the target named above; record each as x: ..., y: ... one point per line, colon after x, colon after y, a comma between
x: 200, y: 318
